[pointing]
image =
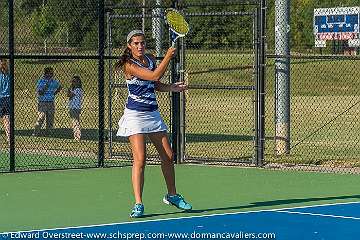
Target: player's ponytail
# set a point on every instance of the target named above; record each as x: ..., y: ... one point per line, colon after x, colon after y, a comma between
x: 123, y: 59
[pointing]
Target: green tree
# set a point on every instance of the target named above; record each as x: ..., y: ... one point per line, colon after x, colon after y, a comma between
x: 79, y: 16
x: 43, y: 24
x: 28, y: 6
x: 301, y: 14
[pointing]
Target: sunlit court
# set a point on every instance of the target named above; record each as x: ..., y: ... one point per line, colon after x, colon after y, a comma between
x: 226, y: 200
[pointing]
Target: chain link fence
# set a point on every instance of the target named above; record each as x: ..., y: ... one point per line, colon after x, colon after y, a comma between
x: 311, y: 95
x: 219, y: 68
x: 221, y: 74
x: 49, y: 34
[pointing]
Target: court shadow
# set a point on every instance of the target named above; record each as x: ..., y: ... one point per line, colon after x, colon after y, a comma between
x: 303, y: 200
x: 279, y: 202
x: 273, y: 203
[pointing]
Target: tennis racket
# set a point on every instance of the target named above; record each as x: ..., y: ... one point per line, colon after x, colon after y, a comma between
x: 178, y: 26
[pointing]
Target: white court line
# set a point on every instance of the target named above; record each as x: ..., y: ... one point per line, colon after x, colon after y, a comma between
x: 321, y: 215
x: 199, y: 216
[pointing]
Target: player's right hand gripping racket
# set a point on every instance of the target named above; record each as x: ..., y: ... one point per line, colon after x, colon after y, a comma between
x: 177, y: 24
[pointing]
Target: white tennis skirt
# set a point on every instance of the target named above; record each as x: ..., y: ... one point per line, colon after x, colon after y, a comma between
x: 134, y: 122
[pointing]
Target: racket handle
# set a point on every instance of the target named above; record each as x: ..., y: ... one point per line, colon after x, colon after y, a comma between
x: 173, y: 43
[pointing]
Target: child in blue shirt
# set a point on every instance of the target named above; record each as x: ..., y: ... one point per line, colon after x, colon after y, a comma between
x: 46, y: 89
x: 5, y: 97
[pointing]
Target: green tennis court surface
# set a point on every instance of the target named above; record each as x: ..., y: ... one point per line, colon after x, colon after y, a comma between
x: 26, y: 161
x: 41, y: 200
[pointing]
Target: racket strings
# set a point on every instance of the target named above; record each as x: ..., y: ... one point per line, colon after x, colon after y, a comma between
x: 177, y: 22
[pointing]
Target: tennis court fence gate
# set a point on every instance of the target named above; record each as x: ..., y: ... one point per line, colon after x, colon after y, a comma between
x: 217, y: 121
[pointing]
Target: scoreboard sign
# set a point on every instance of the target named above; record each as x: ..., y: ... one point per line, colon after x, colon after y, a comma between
x: 337, y: 24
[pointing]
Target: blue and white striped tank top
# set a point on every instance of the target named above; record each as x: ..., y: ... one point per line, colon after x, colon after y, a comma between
x: 142, y: 92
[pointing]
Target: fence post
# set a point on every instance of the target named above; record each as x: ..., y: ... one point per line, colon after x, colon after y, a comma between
x: 157, y: 23
x: 101, y: 90
x: 175, y: 101
x: 282, y: 77
x: 12, y: 62
x: 260, y: 85
x: 175, y: 108
x: 182, y: 103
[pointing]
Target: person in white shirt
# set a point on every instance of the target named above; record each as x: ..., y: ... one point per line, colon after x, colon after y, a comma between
x: 75, y: 94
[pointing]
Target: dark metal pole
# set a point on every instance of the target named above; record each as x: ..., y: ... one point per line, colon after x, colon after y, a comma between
x: 101, y: 88
x: 109, y: 35
x: 1, y: 17
x: 256, y: 45
x: 175, y: 107
x: 175, y: 103
x: 182, y: 103
x: 261, y: 84
x: 11, y: 55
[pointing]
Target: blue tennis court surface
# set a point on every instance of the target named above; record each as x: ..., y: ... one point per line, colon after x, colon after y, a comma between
x: 322, y: 222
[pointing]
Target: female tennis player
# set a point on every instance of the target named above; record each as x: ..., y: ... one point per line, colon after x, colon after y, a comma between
x: 142, y: 119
